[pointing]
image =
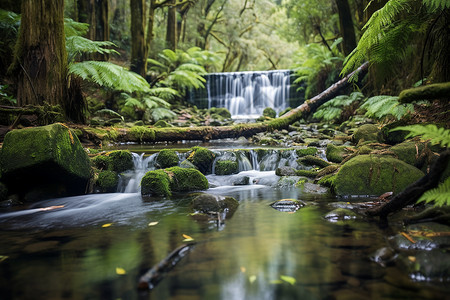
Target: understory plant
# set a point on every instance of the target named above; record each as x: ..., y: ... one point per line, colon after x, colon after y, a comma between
x: 384, y: 108
x: 440, y: 195
x: 333, y: 110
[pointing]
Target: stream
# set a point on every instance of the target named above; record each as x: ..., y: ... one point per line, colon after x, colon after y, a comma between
x: 97, y: 246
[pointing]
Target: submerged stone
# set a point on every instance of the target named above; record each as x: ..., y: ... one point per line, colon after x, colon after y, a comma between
x: 340, y: 214
x: 51, y: 155
x: 208, y: 203
x: 374, y: 175
x: 287, y: 205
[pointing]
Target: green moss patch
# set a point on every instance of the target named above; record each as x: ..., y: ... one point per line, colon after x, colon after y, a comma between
x: 202, y: 158
x: 167, y: 158
x: 107, y: 181
x: 226, y: 167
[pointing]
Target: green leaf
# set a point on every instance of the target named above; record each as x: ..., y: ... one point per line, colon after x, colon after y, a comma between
x: 431, y: 132
x: 288, y: 279
x: 440, y: 195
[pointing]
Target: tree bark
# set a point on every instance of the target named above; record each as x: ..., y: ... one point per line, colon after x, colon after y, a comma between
x: 41, y: 56
x: 138, y: 43
x: 346, y: 26
x: 171, y: 33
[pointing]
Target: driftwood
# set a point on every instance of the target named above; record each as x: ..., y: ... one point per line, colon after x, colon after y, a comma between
x: 413, y: 192
x: 151, y: 135
x: 153, y: 276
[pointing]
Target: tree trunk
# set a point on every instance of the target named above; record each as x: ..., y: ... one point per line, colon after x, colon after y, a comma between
x: 171, y: 33
x: 150, y: 24
x: 138, y: 43
x: 101, y: 25
x: 41, y: 56
x: 346, y: 26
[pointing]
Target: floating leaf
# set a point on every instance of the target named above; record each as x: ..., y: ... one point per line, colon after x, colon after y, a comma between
x: 120, y: 271
x: 3, y: 257
x: 288, y: 279
x: 153, y: 223
x: 107, y: 225
x: 412, y: 258
x: 51, y: 207
x: 187, y: 238
x: 243, y: 269
x: 252, y: 278
x: 276, y: 281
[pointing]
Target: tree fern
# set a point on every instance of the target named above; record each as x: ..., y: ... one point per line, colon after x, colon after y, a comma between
x: 382, y: 107
x: 437, y: 4
x: 77, y: 45
x: 73, y: 28
x: 439, y: 196
x: 161, y: 113
x: 431, y: 132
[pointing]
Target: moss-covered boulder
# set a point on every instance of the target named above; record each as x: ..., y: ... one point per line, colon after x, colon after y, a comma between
x: 367, y: 132
x: 221, y: 111
x: 226, y: 167
x: 306, y: 151
x: 207, y: 203
x: 411, y: 152
x: 202, y: 158
x: 162, y: 124
x: 269, y: 112
x: 167, y: 158
x: 163, y: 182
x: 101, y: 162
x: 120, y: 161
x: 107, y: 181
x: 45, y: 156
x: 374, y: 175
x: 335, y: 153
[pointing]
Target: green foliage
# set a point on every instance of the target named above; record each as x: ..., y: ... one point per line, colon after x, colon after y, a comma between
x: 5, y: 97
x: 9, y: 29
x: 73, y: 28
x: 77, y: 45
x: 383, y: 107
x: 440, y: 195
x: 431, y: 132
x: 332, y: 110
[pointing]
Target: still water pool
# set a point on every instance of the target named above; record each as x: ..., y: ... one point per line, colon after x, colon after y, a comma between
x: 97, y: 247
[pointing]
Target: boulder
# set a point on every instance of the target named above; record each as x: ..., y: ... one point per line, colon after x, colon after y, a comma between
x: 107, y: 181
x: 367, y: 132
x: 269, y: 112
x: 374, y: 175
x: 167, y: 158
x: 226, y: 167
x: 163, y: 182
x: 48, y: 158
x: 120, y: 161
x: 335, y: 153
x: 306, y: 151
x: 202, y: 158
x: 285, y: 171
x: 411, y: 152
x: 207, y: 203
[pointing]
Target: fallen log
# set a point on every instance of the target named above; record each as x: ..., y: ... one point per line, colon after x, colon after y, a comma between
x: 414, y: 191
x: 142, y: 134
x: 426, y: 92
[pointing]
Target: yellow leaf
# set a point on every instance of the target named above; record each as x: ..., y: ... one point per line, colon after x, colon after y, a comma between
x: 288, y: 279
x: 106, y: 225
x: 412, y: 258
x: 51, y: 207
x: 252, y: 278
x: 3, y: 257
x: 276, y: 281
x: 153, y: 223
x: 187, y: 238
x: 243, y: 269
x: 120, y: 271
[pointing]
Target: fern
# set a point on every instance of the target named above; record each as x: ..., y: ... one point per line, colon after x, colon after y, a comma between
x: 381, y: 107
x: 73, y: 28
x: 332, y: 110
x: 431, y: 132
x: 109, y: 75
x: 160, y: 113
x: 77, y: 45
x: 440, y: 195
x: 437, y: 4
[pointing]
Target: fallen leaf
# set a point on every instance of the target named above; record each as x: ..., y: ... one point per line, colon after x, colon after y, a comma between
x: 120, y: 271
x: 3, y: 257
x: 252, y: 278
x: 51, y: 207
x: 408, y: 237
x: 288, y: 279
x: 153, y: 223
x: 187, y: 238
x: 276, y: 281
x: 106, y: 225
x: 412, y: 258
x: 243, y: 269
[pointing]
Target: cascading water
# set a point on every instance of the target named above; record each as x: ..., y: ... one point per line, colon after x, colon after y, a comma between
x: 129, y: 181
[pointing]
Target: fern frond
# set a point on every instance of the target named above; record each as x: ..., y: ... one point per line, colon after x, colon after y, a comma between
x: 192, y: 68
x: 162, y: 113
x: 73, y: 28
x: 164, y: 93
x: 437, y: 4
x: 382, y: 106
x: 109, y: 75
x: 440, y: 195
x: 328, y: 114
x: 153, y: 102
x: 186, y: 79
x: 77, y: 45
x: 133, y: 102
x: 431, y: 132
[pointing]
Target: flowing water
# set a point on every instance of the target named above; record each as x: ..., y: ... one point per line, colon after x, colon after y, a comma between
x: 97, y: 246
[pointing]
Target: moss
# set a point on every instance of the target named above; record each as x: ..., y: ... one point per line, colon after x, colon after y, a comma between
x: 221, y: 111
x: 328, y: 181
x: 269, y: 112
x: 102, y: 162
x: 313, y: 161
x: 120, y: 161
x: 187, y: 180
x: 284, y: 111
x: 207, y: 203
x: 142, y: 133
x: 306, y: 173
x: 306, y: 151
x: 107, y: 181
x: 167, y: 158
x: 202, y: 159
x: 156, y: 183
x: 301, y: 182
x: 426, y: 92
x: 336, y: 153
x: 411, y: 152
x: 374, y: 175
x: 367, y: 132
x: 162, y: 124
x: 226, y: 167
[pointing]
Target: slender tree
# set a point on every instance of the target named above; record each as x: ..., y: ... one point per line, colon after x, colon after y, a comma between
x: 346, y: 26
x: 172, y: 26
x: 139, y: 50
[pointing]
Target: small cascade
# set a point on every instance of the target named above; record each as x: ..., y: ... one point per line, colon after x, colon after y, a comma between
x: 254, y: 160
x: 275, y: 159
x: 129, y: 181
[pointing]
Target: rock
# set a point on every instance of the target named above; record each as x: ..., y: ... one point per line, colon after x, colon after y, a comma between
x: 287, y: 205
x: 207, y: 203
x: 429, y: 266
x: 187, y: 164
x: 287, y: 181
x: 107, y: 181
x: 310, y: 160
x: 336, y: 154
x: 226, y: 167
x: 411, y: 153
x: 162, y: 124
x: 285, y: 171
x: 241, y: 180
x: 311, y: 188
x: 367, y: 132
x: 163, y: 182
x: 340, y: 214
x: 101, y: 162
x: 306, y: 151
x: 167, y: 158
x: 269, y: 112
x: 120, y: 161
x: 45, y: 156
x: 374, y: 175
x: 384, y: 256
x: 221, y: 111
x: 202, y: 159
x: 426, y: 236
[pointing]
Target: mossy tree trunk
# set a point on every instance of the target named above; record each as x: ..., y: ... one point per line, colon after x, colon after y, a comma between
x: 171, y: 33
x: 346, y: 26
x: 41, y: 58
x: 138, y: 44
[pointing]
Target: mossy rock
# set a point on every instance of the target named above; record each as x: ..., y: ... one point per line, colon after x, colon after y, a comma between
x: 411, y: 153
x: 310, y: 160
x: 207, y: 203
x: 187, y: 164
x: 367, y: 132
x: 107, y: 181
x: 101, y: 162
x: 306, y: 151
x: 42, y: 156
x: 374, y: 175
x: 163, y: 182
x: 202, y: 158
x: 226, y: 167
x: 167, y: 158
x: 306, y: 173
x: 221, y: 111
x: 269, y: 112
x: 120, y: 161
x: 162, y: 124
x: 336, y: 154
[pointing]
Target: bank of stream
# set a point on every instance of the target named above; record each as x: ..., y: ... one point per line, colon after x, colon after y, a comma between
x: 97, y: 246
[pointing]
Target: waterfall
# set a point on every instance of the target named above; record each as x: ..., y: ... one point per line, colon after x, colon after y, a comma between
x: 130, y: 181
